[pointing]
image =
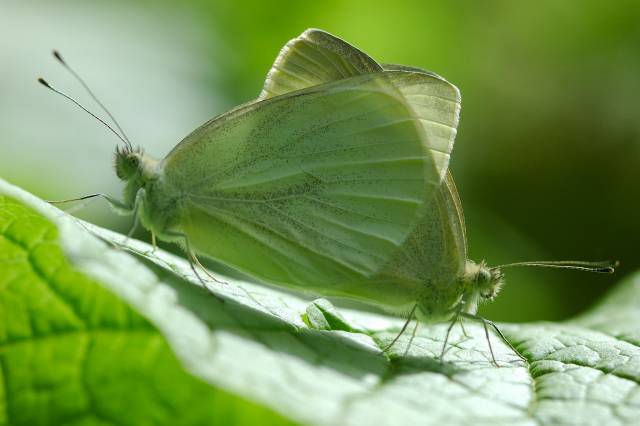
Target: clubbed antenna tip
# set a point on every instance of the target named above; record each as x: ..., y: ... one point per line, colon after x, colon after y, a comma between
x: 43, y: 82
x: 57, y: 55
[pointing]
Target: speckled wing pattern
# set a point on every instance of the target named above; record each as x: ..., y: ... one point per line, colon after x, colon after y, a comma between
x: 436, y: 249
x: 312, y: 185
x: 317, y: 57
x: 435, y: 252
x: 320, y: 186
x: 311, y: 59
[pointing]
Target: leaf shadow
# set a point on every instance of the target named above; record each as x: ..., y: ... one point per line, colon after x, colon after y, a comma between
x: 352, y: 354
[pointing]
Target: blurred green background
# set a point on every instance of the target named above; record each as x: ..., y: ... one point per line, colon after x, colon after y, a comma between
x: 547, y: 157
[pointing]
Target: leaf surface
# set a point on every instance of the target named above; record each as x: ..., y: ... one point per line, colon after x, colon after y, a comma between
x: 95, y: 332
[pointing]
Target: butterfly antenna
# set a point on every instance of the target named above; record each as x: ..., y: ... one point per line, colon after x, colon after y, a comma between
x: 59, y: 58
x: 601, y: 267
x: 64, y: 95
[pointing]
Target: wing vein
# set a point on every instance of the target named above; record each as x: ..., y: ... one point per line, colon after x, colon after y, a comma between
x: 323, y: 234
x: 344, y: 209
x: 431, y: 95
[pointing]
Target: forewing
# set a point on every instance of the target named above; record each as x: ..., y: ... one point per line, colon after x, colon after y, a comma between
x: 317, y: 57
x: 313, y: 58
x: 338, y: 172
x: 452, y: 212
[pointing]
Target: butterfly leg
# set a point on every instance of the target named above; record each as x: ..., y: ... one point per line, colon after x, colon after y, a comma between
x: 459, y: 309
x: 133, y: 227
x: 117, y: 205
x: 193, y: 261
x: 485, y: 323
x: 136, y: 209
x: 413, y: 336
x: 446, y: 336
x: 402, y: 330
x: 486, y: 335
x: 462, y: 326
x: 197, y: 262
x: 154, y: 243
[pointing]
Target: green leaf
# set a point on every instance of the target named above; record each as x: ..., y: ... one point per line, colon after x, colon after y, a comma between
x: 115, y: 333
x: 322, y: 315
x: 72, y: 352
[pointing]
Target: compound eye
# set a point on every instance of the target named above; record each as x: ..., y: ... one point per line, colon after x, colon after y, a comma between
x: 484, y: 276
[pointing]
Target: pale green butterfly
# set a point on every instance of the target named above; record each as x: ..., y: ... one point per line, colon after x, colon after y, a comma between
x: 429, y: 276
x: 314, y: 189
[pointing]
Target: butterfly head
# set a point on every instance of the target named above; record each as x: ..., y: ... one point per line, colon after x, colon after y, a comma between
x: 483, y: 283
x: 128, y: 162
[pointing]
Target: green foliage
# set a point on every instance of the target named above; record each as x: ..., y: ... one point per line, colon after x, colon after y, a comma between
x: 115, y: 333
x: 71, y: 352
x: 322, y: 315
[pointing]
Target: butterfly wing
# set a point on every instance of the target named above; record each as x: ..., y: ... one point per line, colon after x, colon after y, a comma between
x: 305, y: 61
x: 315, y: 57
x: 434, y: 255
x: 398, y: 67
x: 312, y: 186
x: 455, y: 213
x: 436, y: 250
